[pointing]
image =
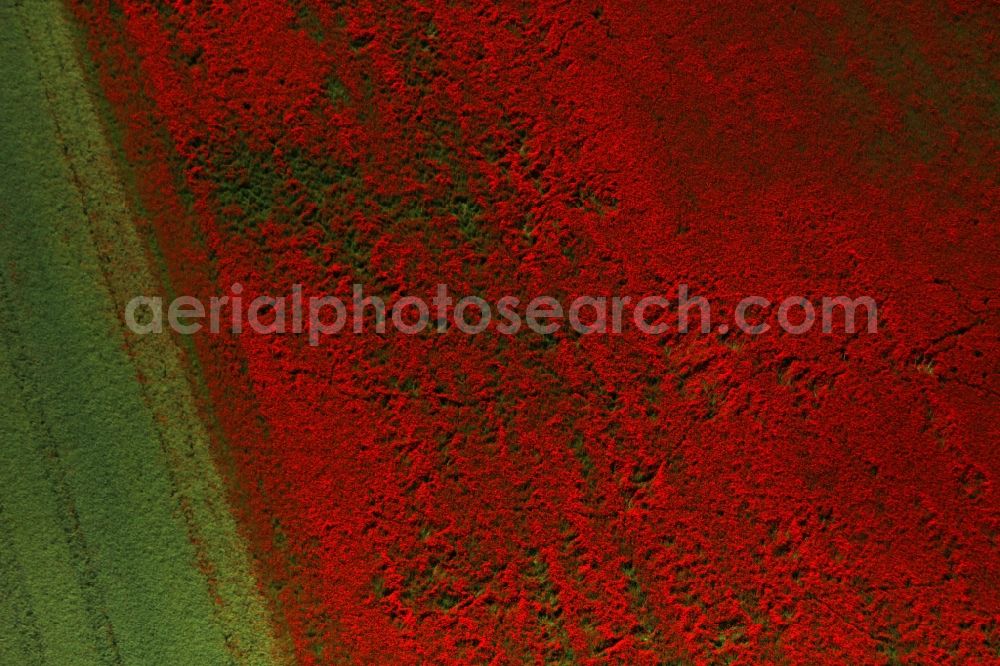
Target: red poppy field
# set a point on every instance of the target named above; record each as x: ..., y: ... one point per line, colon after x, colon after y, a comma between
x: 565, y: 498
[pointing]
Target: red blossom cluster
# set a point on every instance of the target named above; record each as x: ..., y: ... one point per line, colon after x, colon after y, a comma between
x: 591, y: 499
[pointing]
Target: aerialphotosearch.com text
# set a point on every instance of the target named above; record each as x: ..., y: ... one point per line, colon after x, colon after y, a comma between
x: 319, y: 316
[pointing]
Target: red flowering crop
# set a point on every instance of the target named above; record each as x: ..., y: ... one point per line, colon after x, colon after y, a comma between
x: 622, y: 498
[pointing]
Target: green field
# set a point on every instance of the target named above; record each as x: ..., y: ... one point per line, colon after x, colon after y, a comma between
x: 116, y: 544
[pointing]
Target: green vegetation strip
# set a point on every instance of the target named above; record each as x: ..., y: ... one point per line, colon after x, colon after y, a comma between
x: 116, y: 544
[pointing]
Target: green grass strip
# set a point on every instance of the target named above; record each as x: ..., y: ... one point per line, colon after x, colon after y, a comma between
x: 117, y: 543
x: 53, y: 614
